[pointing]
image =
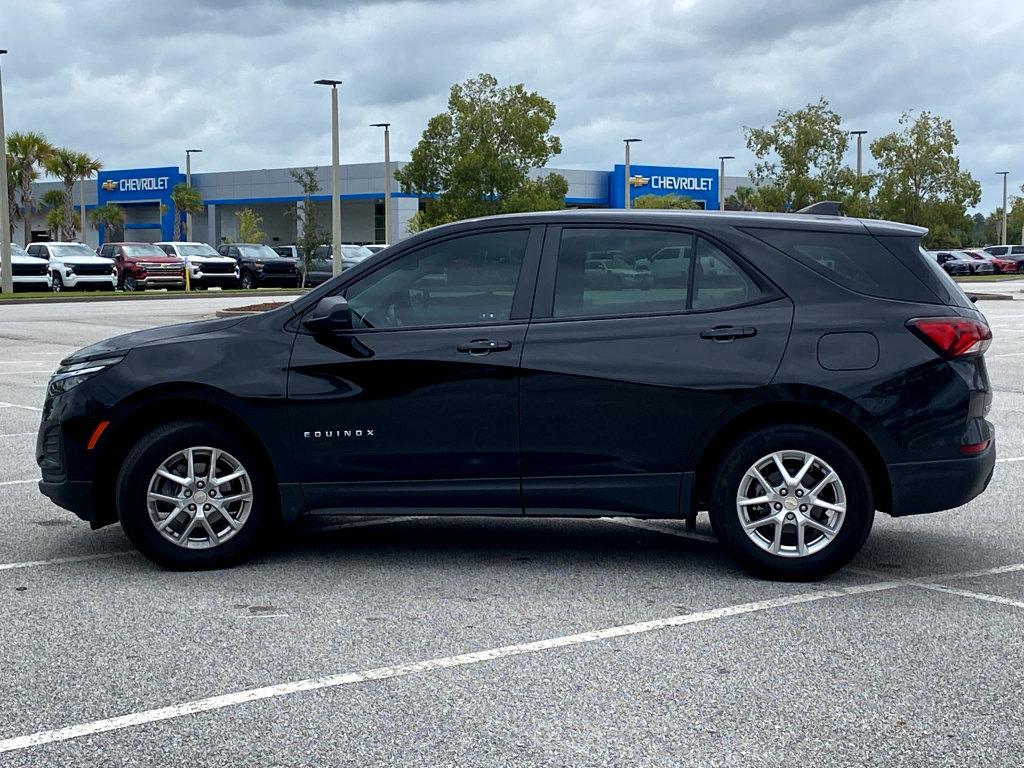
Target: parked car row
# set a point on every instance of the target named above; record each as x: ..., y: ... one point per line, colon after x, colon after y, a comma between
x: 125, y: 266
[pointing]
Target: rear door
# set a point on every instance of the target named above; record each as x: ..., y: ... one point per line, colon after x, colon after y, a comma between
x: 619, y: 381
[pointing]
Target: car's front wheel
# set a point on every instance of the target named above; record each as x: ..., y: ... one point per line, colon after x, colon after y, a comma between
x: 58, y: 283
x: 248, y: 281
x: 792, y: 502
x: 191, y: 495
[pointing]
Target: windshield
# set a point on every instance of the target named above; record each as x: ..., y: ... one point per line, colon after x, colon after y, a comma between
x: 143, y: 251
x: 17, y: 250
x: 355, y: 253
x: 76, y: 249
x: 196, y: 249
x: 258, y: 252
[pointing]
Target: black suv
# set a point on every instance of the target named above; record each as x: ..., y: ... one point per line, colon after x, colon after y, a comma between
x: 797, y: 374
x: 260, y: 265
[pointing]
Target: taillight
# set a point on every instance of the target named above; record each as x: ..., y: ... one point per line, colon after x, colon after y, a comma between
x: 953, y: 337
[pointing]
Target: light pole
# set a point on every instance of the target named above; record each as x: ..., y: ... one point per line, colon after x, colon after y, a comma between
x: 626, y: 197
x: 1004, y: 174
x: 860, y: 136
x: 335, y: 192
x: 387, y: 179
x: 721, y: 179
x: 188, y: 183
x: 7, y: 282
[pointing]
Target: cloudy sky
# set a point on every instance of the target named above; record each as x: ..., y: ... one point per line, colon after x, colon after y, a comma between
x: 134, y: 83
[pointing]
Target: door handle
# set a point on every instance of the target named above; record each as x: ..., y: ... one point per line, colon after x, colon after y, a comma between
x: 484, y: 346
x: 727, y: 333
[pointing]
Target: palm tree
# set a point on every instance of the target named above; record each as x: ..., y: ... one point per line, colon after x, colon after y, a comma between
x: 13, y: 184
x: 108, y: 215
x: 27, y: 149
x: 70, y: 166
x: 186, y: 200
x: 52, y: 202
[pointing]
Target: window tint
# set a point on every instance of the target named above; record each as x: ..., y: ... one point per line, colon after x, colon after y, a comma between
x: 462, y: 281
x: 717, y: 281
x: 857, y: 262
x: 322, y: 252
x: 1017, y: 250
x: 621, y: 271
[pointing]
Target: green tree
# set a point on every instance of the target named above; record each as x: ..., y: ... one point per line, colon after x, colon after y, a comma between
x: 186, y: 200
x: 920, y: 180
x: 108, y: 218
x: 663, y: 201
x: 53, y: 204
x: 476, y: 157
x: 13, y: 184
x: 307, y: 217
x: 27, y: 150
x: 70, y: 166
x: 249, y: 223
x: 799, y: 159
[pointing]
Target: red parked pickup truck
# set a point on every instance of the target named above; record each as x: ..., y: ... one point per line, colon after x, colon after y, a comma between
x: 143, y: 265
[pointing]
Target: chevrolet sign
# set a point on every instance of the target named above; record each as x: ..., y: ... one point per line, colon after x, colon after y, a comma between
x: 109, y: 185
x: 144, y: 184
x: 688, y: 183
x: 638, y: 181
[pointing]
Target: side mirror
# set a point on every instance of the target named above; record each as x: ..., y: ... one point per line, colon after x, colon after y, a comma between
x: 332, y: 313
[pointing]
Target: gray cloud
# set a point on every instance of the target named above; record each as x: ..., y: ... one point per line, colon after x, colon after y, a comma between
x: 134, y: 83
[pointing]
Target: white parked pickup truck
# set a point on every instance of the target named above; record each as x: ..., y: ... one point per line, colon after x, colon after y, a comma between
x: 76, y: 266
x: 28, y: 272
x: 205, y: 266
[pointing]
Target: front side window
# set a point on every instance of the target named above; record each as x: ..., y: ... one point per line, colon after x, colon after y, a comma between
x: 17, y: 250
x: 466, y: 280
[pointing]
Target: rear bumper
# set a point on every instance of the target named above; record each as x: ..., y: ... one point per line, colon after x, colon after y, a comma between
x: 927, y: 487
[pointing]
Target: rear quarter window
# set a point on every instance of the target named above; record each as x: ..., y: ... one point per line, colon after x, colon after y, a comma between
x: 854, y: 261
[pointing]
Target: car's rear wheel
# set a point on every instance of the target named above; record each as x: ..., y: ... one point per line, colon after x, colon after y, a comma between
x: 191, y: 495
x: 792, y: 502
x: 1020, y: 268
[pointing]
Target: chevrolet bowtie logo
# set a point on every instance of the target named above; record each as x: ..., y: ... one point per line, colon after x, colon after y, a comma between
x: 638, y: 181
x: 109, y: 185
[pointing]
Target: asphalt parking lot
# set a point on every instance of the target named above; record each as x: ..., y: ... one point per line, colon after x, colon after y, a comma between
x: 432, y: 641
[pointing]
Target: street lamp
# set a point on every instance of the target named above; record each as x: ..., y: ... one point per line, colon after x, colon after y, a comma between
x: 1004, y: 174
x: 860, y: 136
x: 721, y: 179
x: 387, y: 179
x: 335, y: 192
x: 626, y: 198
x: 188, y: 183
x: 7, y: 282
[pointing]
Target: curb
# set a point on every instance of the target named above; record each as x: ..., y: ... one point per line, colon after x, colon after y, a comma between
x: 236, y: 313
x: 141, y: 297
x: 987, y: 297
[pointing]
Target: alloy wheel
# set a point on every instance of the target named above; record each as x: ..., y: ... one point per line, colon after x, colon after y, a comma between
x: 791, y: 504
x: 199, y: 497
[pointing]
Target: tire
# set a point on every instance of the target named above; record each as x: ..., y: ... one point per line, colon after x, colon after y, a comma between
x: 823, y: 554
x: 1020, y: 268
x: 247, y: 281
x: 58, y: 283
x: 139, y: 516
x: 132, y: 285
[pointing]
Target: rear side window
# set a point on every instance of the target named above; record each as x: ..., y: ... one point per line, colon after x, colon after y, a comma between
x: 857, y: 262
x: 1017, y: 250
x: 606, y: 271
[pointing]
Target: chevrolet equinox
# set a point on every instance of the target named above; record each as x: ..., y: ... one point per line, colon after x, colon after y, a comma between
x: 791, y: 375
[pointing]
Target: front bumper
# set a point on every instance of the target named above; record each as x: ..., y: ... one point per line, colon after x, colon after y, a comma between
x: 214, y: 279
x: 32, y: 282
x: 75, y: 496
x: 927, y: 487
x: 162, y: 281
x: 288, y: 280
x: 93, y: 281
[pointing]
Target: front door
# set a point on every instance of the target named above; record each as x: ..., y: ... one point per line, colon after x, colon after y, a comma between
x: 416, y: 405
x: 620, y: 379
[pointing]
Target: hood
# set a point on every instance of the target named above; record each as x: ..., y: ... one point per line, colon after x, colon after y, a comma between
x: 82, y: 260
x: 125, y: 342
x: 161, y: 259
x: 18, y: 259
x: 212, y: 258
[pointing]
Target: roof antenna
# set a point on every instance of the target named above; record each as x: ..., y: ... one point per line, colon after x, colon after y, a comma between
x: 823, y: 208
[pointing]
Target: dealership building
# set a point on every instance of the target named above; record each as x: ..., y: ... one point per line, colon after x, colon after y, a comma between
x: 145, y: 195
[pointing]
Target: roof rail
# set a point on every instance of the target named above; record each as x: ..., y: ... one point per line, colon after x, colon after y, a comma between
x: 823, y: 208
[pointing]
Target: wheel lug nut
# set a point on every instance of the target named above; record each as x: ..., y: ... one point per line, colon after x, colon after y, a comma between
x: 790, y: 516
x: 200, y: 484
x: 213, y: 493
x: 188, y: 492
x: 206, y: 507
x: 799, y: 492
x: 783, y: 492
x: 191, y: 507
x: 803, y: 508
x: 778, y: 505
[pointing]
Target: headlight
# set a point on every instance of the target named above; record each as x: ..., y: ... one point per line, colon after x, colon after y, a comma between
x: 69, y: 270
x: 73, y: 374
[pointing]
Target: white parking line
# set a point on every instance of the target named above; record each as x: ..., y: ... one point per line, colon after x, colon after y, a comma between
x: 17, y: 435
x: 68, y: 559
x: 439, y: 663
x: 1010, y: 459
x: 971, y: 594
x: 18, y: 406
x: 36, y: 371
x: 17, y: 483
